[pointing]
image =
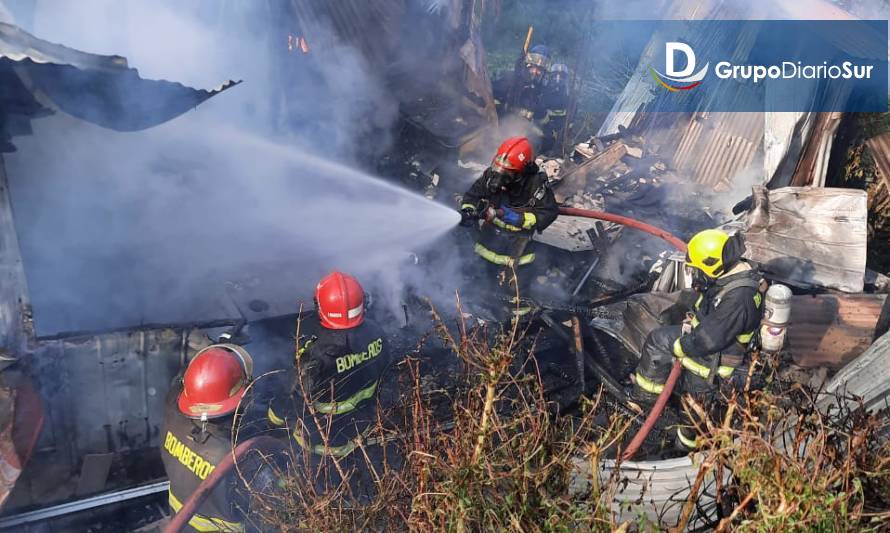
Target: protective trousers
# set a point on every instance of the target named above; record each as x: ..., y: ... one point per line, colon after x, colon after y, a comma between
x: 503, y: 284
x: 655, y: 366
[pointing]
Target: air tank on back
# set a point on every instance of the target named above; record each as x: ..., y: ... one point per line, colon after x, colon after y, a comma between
x: 776, y: 315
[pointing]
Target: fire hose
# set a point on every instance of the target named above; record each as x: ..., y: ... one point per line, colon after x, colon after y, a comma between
x: 269, y: 444
x: 671, y: 382
x: 263, y: 444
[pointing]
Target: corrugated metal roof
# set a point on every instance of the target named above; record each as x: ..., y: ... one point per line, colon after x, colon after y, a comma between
x: 832, y: 329
x: 95, y: 88
x: 812, y: 167
x: 715, y: 147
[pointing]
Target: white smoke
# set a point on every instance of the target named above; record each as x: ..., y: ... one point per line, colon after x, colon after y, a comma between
x: 223, y: 203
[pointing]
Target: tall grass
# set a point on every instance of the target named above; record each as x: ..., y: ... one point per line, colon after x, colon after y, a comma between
x: 488, y: 454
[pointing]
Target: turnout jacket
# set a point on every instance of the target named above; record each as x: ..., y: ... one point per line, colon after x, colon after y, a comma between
x: 553, y: 112
x: 502, y: 243
x: 516, y: 93
x: 725, y: 317
x: 338, y: 371
x: 189, y: 456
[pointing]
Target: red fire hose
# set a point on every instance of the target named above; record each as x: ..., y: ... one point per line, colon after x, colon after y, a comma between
x: 625, y: 221
x: 671, y: 382
x: 190, y: 507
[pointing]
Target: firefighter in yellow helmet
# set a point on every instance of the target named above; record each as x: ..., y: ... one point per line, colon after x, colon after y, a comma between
x: 724, y: 313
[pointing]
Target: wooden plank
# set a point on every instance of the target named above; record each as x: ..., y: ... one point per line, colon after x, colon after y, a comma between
x: 832, y: 329
x: 576, y: 179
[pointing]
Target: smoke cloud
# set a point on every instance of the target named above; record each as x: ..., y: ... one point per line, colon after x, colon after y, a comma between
x: 237, y: 207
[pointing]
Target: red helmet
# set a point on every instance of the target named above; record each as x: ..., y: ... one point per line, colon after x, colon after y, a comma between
x: 215, y: 381
x: 340, y: 300
x: 513, y: 155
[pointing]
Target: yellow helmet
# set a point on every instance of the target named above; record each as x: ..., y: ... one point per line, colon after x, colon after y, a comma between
x: 705, y: 252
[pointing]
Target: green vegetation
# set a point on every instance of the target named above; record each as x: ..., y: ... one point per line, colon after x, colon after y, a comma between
x: 858, y: 170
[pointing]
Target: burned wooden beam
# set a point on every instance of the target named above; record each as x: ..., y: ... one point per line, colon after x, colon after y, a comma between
x: 577, y: 178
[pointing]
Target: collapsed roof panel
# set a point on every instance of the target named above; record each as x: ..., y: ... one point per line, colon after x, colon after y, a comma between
x: 810, y: 237
x: 720, y: 150
x: 100, y: 89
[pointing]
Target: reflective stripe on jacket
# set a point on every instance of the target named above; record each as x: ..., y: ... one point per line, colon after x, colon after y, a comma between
x: 204, y: 523
x: 340, y: 376
x: 725, y: 320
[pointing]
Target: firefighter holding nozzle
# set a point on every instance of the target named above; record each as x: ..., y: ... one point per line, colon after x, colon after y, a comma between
x: 513, y: 200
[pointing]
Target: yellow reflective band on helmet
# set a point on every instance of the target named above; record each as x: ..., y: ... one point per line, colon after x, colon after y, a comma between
x: 320, y: 449
x: 499, y: 259
x: 203, y: 523
x: 467, y: 206
x: 529, y: 220
x: 503, y: 225
x: 689, y: 443
x: 647, y: 384
x: 347, y: 405
x: 275, y: 419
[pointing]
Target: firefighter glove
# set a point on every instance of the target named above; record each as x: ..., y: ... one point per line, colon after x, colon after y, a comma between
x: 512, y: 217
x: 468, y: 216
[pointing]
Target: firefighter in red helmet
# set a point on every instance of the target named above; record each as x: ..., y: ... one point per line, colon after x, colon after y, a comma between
x: 197, y: 434
x: 341, y: 357
x: 514, y: 200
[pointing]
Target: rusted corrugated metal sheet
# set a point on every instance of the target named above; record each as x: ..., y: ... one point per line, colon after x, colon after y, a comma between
x: 716, y: 147
x: 832, y: 329
x: 813, y: 164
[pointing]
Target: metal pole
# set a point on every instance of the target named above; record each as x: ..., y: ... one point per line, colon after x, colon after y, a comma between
x: 83, y: 505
